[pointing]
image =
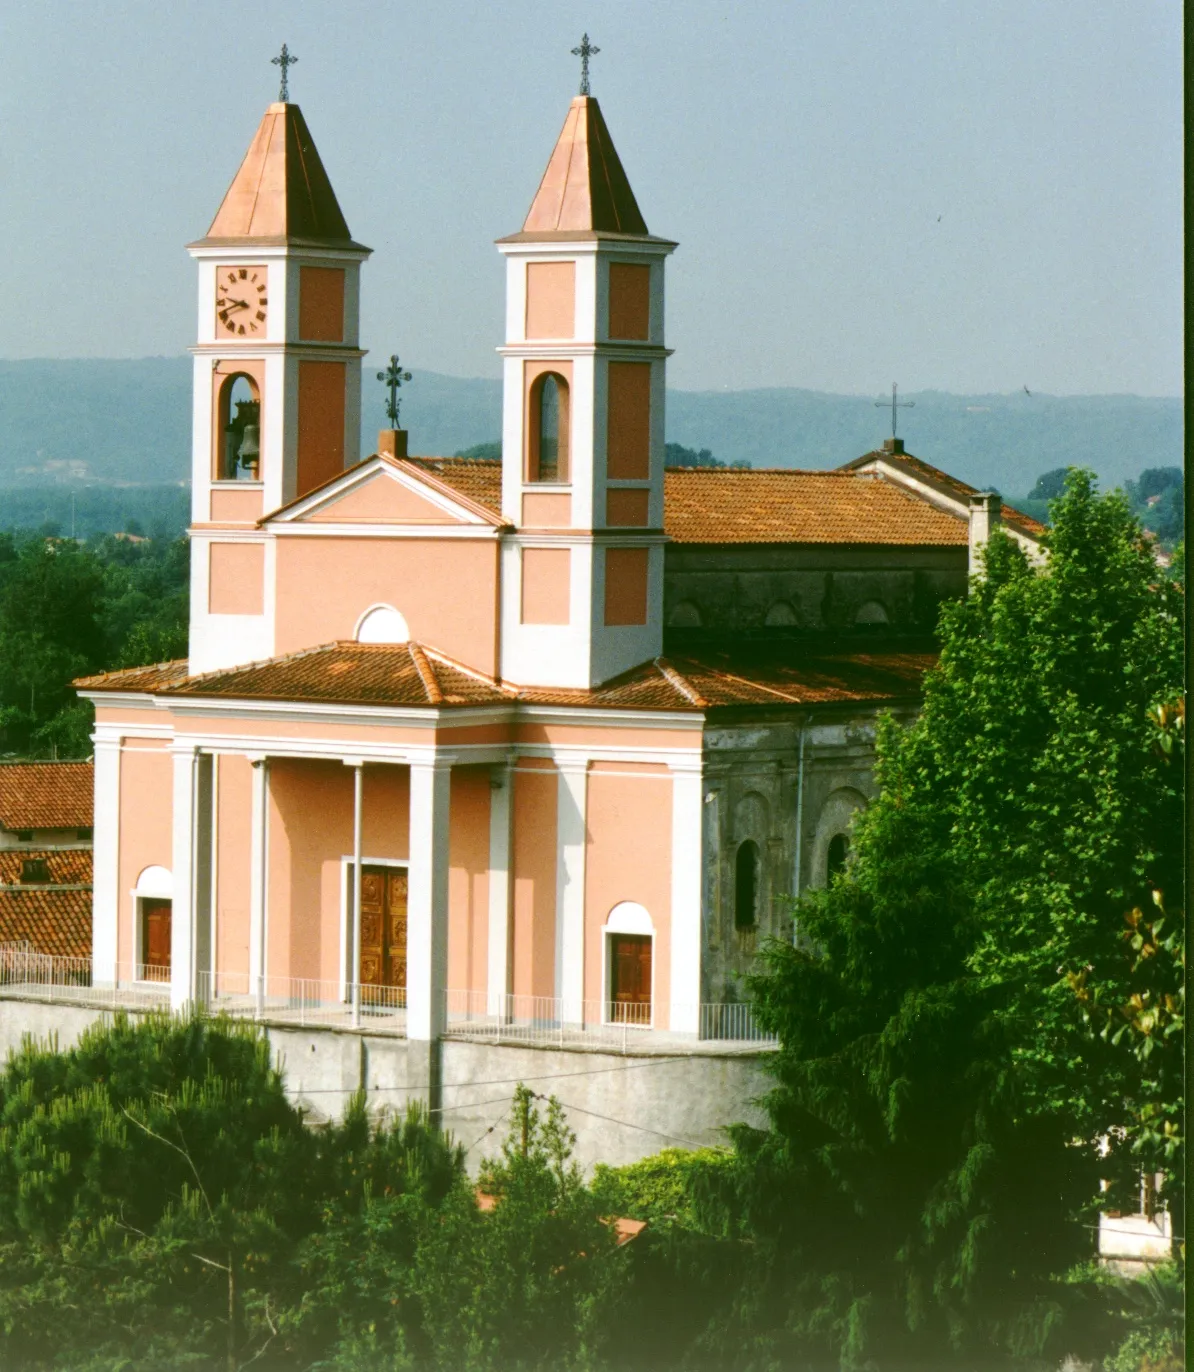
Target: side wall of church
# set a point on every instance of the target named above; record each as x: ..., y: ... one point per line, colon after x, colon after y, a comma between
x: 753, y: 794
x: 145, y: 829
x: 808, y: 587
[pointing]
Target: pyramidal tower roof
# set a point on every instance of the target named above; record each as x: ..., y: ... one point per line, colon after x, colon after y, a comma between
x: 584, y: 189
x: 281, y: 192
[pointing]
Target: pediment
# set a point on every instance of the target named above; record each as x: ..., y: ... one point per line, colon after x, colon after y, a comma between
x: 383, y: 491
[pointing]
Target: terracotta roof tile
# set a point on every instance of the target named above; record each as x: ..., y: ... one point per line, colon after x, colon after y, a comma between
x: 401, y: 674
x: 784, y: 505
x: 780, y: 505
x: 950, y: 485
x: 792, y: 672
x: 46, y: 795
x: 53, y: 917
x: 154, y: 677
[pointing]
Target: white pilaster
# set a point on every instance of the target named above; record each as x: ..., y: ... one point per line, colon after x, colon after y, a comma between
x: 105, y: 906
x: 571, y: 830
x: 500, y: 811
x: 259, y: 876
x: 687, y: 810
x: 182, y: 913
x: 427, y: 899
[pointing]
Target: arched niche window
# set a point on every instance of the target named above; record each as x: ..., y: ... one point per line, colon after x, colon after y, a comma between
x: 871, y: 614
x: 746, y: 885
x: 685, y: 615
x: 549, y: 429
x: 781, y: 615
x: 836, y: 855
x: 240, y: 429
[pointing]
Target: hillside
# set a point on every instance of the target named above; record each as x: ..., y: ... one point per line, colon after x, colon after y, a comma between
x: 83, y: 421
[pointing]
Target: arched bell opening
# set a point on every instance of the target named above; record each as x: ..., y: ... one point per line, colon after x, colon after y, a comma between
x: 549, y: 446
x: 239, y: 438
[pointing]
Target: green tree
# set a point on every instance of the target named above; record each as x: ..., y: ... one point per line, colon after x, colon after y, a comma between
x: 939, y: 1091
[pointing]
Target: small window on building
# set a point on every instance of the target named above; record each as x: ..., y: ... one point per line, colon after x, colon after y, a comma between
x: 836, y: 855
x: 549, y: 429
x: 24, y: 835
x: 240, y: 440
x: 84, y: 835
x: 34, y: 871
x: 746, y: 885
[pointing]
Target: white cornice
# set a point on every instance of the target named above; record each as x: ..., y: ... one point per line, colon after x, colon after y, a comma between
x: 563, y: 349
x: 247, y: 352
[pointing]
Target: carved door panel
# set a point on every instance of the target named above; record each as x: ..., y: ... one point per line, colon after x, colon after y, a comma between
x: 155, y: 938
x: 373, y: 921
x: 396, y: 922
x: 630, y: 978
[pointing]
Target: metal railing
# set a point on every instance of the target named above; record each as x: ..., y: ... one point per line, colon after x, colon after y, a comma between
x: 45, y: 976
x: 552, y: 1021
x: 305, y: 1000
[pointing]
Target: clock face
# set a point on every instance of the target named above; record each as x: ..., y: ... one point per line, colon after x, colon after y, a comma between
x: 241, y: 302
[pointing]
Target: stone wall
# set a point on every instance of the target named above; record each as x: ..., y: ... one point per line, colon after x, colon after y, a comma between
x: 756, y: 587
x: 621, y: 1107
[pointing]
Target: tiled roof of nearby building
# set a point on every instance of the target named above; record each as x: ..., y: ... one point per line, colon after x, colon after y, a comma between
x: 46, y: 795
x: 52, y: 916
x: 733, y: 505
x: 152, y: 678
x: 950, y: 485
x: 787, y: 672
x: 781, y: 505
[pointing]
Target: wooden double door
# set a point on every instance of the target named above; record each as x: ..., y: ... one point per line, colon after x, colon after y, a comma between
x: 383, y: 927
x: 155, y: 939
x: 630, y: 978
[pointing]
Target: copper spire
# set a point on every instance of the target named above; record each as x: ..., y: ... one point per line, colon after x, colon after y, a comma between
x: 281, y: 191
x: 584, y: 187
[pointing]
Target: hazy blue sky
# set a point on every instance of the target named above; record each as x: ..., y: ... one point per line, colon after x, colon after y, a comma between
x: 967, y: 196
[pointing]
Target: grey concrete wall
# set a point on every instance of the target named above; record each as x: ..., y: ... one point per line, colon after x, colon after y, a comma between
x: 621, y: 1108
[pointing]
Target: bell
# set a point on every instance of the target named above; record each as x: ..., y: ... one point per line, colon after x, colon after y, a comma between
x: 232, y: 437
x: 250, y: 448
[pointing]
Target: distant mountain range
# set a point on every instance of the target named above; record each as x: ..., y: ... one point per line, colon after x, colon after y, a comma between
x: 86, y: 421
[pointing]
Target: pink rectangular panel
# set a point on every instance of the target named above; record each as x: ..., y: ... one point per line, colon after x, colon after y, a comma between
x: 235, y: 505
x: 626, y: 585
x: 546, y: 585
x: 236, y: 579
x: 551, y: 299
x: 546, y: 510
x: 628, y: 447
x: 627, y: 509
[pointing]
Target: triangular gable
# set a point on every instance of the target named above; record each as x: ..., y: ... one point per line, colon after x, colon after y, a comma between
x: 386, y: 491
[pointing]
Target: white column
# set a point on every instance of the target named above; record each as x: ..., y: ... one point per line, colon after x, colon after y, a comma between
x: 571, y: 834
x: 687, y: 810
x: 183, y: 864
x: 427, y: 899
x: 259, y: 878
x: 354, y: 945
x: 501, y: 810
x: 105, y: 900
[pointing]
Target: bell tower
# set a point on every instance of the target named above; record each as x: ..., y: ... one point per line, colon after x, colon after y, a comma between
x: 583, y: 426
x: 277, y: 377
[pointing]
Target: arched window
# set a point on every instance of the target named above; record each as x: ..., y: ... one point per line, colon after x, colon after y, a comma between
x: 240, y: 420
x: 746, y: 885
x: 871, y: 612
x: 549, y: 429
x: 781, y: 615
x: 382, y: 624
x: 836, y: 855
x: 686, y: 615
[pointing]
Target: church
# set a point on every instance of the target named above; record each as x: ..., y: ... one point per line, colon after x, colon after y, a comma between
x: 535, y: 750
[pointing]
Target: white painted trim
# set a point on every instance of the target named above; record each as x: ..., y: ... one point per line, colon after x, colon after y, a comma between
x: 686, y: 925
x: 380, y: 608
x: 427, y: 900
x: 259, y: 872
x: 501, y: 811
x: 154, y: 883
x: 105, y: 918
x: 436, y: 532
x: 182, y: 941
x: 362, y: 475
x: 571, y: 844
x: 629, y: 917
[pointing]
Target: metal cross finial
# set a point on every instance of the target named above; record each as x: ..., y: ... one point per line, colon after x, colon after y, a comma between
x: 393, y: 376
x: 895, y: 405
x: 285, y: 61
x: 584, y: 52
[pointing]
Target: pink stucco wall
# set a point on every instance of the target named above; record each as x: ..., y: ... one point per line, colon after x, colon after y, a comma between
x: 534, y: 903
x: 629, y: 857
x: 234, y: 810
x: 468, y: 880
x: 326, y: 584
x: 146, y: 837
